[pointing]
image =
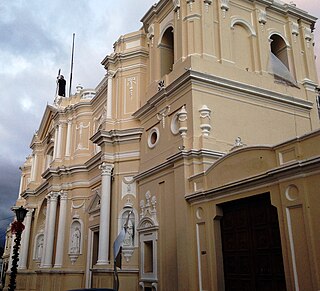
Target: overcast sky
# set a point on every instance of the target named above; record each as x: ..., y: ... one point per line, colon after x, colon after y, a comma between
x: 35, y: 41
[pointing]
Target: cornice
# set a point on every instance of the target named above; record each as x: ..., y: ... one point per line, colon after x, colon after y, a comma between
x: 123, y: 56
x: 41, y: 188
x: 63, y: 170
x: 269, y: 177
x: 219, y: 82
x: 292, y: 10
x: 94, y: 162
x: 298, y: 139
x: 190, y: 154
x: 116, y: 136
x: 153, y: 10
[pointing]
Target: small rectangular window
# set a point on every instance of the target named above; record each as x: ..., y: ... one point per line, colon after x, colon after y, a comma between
x: 148, y: 257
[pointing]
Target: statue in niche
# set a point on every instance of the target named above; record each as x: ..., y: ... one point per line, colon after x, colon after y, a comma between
x: 128, y: 239
x: 39, y: 249
x: 75, y: 241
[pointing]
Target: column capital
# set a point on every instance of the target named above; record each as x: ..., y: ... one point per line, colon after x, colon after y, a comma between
x: 110, y: 74
x: 63, y: 195
x: 30, y: 211
x: 106, y: 169
x: 53, y: 196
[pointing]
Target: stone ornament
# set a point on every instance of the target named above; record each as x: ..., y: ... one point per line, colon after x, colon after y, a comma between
x: 182, y: 117
x: 38, y: 248
x: 262, y: 17
x: 207, y: 3
x: 224, y: 5
x: 82, y: 129
x: 176, y: 7
x: 131, y: 82
x: 161, y: 85
x: 106, y: 169
x: 148, y: 210
x: 75, y: 241
x: 163, y: 113
x: 190, y: 2
x: 128, y: 186
x: 205, y: 117
x: 308, y: 35
x: 238, y: 144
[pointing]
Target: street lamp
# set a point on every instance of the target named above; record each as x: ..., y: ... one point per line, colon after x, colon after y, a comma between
x: 17, y: 228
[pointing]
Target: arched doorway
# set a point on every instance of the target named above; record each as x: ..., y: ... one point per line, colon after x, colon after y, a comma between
x: 251, y: 245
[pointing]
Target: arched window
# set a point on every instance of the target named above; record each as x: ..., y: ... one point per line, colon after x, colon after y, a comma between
x: 242, y: 47
x: 167, y: 51
x: 279, y: 60
x: 279, y: 49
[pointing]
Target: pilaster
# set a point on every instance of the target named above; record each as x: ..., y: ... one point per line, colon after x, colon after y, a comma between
x: 25, y: 240
x: 61, y: 230
x: 50, y: 230
x: 104, y: 232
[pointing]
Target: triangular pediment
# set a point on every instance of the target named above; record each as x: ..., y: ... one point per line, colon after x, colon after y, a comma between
x: 46, y: 124
x: 95, y: 203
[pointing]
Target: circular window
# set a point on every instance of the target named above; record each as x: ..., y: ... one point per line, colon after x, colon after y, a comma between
x: 153, y: 137
x: 175, y: 124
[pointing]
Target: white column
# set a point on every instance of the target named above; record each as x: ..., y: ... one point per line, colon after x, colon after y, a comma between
x: 50, y: 232
x: 55, y: 142
x: 45, y: 232
x: 24, y: 251
x: 59, y: 143
x: 109, y: 95
x: 13, y: 237
x: 35, y: 166
x: 68, y: 141
x: 21, y: 185
x: 104, y: 229
x: 61, y: 230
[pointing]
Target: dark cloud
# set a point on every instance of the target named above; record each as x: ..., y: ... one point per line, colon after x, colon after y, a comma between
x: 9, y: 188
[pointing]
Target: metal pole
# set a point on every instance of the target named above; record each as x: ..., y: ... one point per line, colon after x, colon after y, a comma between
x: 71, y: 69
x: 15, y: 256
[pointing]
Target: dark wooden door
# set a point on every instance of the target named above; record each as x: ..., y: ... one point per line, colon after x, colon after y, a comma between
x: 251, y: 245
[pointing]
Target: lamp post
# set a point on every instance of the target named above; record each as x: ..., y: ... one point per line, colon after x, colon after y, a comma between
x: 17, y: 228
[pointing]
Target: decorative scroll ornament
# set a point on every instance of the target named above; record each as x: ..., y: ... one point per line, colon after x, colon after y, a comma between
x: 190, y: 2
x: 161, y: 85
x: 224, y: 7
x: 176, y: 7
x: 163, y: 114
x: 131, y: 82
x: 262, y: 17
x: 207, y: 3
x: 308, y: 36
x: 150, y: 33
x: 295, y: 28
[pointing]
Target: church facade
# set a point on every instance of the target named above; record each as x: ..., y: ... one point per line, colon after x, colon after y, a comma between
x: 204, y: 137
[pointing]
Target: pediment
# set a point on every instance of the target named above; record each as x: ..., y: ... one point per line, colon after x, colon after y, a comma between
x: 146, y: 223
x: 95, y: 203
x: 239, y: 165
x: 47, y: 123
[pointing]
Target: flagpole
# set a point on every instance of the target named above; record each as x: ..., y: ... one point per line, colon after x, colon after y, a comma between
x: 71, y: 69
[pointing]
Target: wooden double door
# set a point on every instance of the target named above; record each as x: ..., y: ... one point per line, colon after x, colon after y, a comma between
x: 252, y: 255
